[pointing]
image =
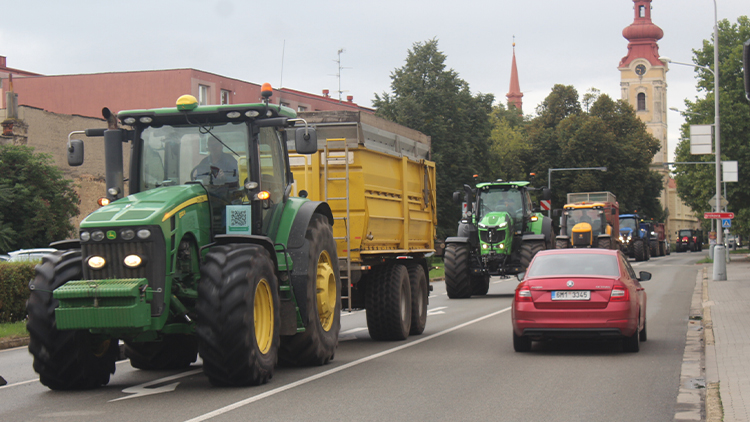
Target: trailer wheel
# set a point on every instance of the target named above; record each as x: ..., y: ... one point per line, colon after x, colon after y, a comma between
x: 561, y: 244
x: 605, y: 243
x: 64, y: 359
x: 528, y: 250
x: 238, y: 315
x: 388, y: 303
x: 457, y: 280
x: 317, y: 344
x: 173, y: 352
x: 480, y: 285
x: 419, y: 294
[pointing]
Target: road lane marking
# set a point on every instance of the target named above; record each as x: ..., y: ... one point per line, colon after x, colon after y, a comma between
x: 332, y: 371
x: 353, y: 330
x: 18, y: 383
x: 436, y: 311
x: 146, y: 390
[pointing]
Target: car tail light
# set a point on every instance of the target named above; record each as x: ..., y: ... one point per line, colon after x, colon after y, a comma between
x: 620, y: 293
x: 523, y: 294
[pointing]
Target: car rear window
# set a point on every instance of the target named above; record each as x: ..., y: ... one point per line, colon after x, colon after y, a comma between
x: 574, y: 264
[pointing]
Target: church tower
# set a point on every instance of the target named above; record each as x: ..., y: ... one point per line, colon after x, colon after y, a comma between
x: 643, y: 84
x: 514, y: 94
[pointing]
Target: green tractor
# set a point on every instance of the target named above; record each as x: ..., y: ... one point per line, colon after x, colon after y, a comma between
x: 207, y: 254
x: 499, y: 233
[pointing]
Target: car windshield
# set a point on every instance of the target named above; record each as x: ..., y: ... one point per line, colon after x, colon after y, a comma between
x: 174, y: 155
x: 572, y: 264
x: 585, y: 215
x: 628, y: 223
x: 685, y: 233
x: 504, y: 198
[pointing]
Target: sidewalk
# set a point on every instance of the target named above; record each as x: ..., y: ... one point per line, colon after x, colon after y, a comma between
x: 726, y: 311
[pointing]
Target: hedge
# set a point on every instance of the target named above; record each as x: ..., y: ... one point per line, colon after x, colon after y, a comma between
x: 14, y: 289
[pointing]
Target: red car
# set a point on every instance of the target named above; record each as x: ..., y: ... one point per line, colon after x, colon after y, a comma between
x: 580, y: 293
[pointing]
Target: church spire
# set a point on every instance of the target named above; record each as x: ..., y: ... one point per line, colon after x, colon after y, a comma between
x: 642, y: 35
x: 514, y: 95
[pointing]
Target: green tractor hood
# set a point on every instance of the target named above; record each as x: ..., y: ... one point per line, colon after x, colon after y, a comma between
x: 495, y: 232
x: 151, y: 207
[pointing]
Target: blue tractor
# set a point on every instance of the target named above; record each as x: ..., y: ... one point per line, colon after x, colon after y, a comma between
x: 634, y: 239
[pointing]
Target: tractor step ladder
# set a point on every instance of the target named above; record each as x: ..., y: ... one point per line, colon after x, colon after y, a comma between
x: 347, y: 260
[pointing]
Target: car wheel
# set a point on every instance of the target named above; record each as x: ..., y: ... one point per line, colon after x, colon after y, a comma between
x: 630, y: 344
x: 521, y: 343
x: 642, y: 336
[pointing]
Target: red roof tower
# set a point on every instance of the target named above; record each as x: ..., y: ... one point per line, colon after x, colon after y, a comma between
x: 514, y: 94
x: 642, y: 35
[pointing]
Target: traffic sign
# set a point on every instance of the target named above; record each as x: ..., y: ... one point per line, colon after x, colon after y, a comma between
x: 546, y: 204
x: 726, y: 223
x: 718, y: 215
x: 723, y: 201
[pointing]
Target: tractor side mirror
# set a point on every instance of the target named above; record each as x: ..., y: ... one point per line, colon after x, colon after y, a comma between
x: 457, y: 197
x: 75, y: 152
x: 546, y: 193
x: 305, y: 140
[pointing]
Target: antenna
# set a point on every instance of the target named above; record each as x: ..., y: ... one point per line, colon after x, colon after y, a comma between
x: 338, y: 74
x: 281, y: 78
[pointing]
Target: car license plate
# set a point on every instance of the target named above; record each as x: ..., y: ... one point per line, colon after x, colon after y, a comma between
x: 571, y: 295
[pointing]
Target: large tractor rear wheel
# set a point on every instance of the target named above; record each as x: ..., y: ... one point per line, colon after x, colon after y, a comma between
x: 480, y: 285
x: 317, y: 344
x: 419, y: 294
x: 64, y: 359
x: 238, y: 315
x: 528, y: 250
x: 388, y: 303
x: 457, y: 279
x: 174, y: 351
x: 604, y: 243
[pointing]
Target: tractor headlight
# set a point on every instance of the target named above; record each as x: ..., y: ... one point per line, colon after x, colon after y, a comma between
x: 144, y: 234
x: 127, y: 234
x: 485, y: 246
x: 96, y: 262
x: 85, y: 236
x: 97, y: 236
x: 132, y: 261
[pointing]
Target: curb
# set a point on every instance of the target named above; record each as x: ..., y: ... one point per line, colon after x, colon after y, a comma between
x: 14, y: 342
x: 691, y: 397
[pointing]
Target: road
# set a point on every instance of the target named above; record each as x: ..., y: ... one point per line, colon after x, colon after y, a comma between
x: 462, y: 368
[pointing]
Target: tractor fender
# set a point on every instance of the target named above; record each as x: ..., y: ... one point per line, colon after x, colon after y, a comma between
x: 263, y: 241
x: 298, y: 248
x: 562, y: 237
x: 457, y: 239
x: 528, y: 237
x: 63, y: 245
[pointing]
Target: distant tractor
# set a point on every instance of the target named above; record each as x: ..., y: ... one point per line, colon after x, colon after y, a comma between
x: 657, y: 237
x: 589, y: 220
x: 499, y: 234
x: 634, y: 240
x: 689, y: 240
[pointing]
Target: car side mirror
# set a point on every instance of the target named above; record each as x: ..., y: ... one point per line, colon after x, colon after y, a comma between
x: 75, y: 152
x: 644, y: 276
x: 305, y: 140
x: 520, y: 276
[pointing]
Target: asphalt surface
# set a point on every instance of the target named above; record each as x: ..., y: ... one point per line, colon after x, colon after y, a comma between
x: 462, y: 368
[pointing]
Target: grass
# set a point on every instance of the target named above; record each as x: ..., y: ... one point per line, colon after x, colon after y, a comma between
x: 437, y: 269
x: 10, y: 330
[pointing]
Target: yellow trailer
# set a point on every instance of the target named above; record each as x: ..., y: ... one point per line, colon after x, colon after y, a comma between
x: 378, y: 179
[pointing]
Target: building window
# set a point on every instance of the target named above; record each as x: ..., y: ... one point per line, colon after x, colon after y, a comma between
x: 202, y: 95
x: 641, y: 102
x: 284, y: 104
x: 224, y: 96
x: 642, y: 11
x: 301, y: 108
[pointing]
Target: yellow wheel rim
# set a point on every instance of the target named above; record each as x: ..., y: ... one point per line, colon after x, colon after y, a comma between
x: 326, y: 290
x: 263, y: 316
x: 101, y: 348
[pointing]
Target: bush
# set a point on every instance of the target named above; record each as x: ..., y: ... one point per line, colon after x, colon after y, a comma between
x: 14, y: 289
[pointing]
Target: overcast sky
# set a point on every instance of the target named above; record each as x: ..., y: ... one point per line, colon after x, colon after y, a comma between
x: 577, y: 43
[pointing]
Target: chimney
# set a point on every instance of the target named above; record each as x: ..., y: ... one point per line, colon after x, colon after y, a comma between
x: 350, y: 98
x: 325, y: 91
x: 2, y: 61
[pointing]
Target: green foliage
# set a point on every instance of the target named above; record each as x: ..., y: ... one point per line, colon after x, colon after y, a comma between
x: 14, y: 289
x: 435, y: 101
x: 36, y: 202
x: 608, y: 135
x: 9, y: 330
x: 696, y: 184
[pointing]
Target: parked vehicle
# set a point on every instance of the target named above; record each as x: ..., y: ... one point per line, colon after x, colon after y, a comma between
x: 589, y: 220
x: 29, y: 254
x: 580, y: 293
x: 634, y: 239
x: 500, y: 233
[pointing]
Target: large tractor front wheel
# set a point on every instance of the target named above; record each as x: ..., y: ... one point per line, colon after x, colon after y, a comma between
x: 457, y: 277
x: 64, y: 359
x: 238, y: 315
x: 562, y: 244
x: 317, y: 344
x: 604, y: 243
x: 480, y: 285
x: 388, y: 303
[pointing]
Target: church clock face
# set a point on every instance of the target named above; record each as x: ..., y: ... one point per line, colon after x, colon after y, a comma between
x: 640, y: 70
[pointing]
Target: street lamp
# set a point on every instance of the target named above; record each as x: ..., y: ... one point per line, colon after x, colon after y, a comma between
x: 549, y: 178
x: 684, y: 112
x: 720, y: 265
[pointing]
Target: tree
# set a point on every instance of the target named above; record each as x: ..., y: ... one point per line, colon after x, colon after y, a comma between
x: 36, y: 202
x: 609, y: 134
x: 696, y: 184
x: 427, y: 97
